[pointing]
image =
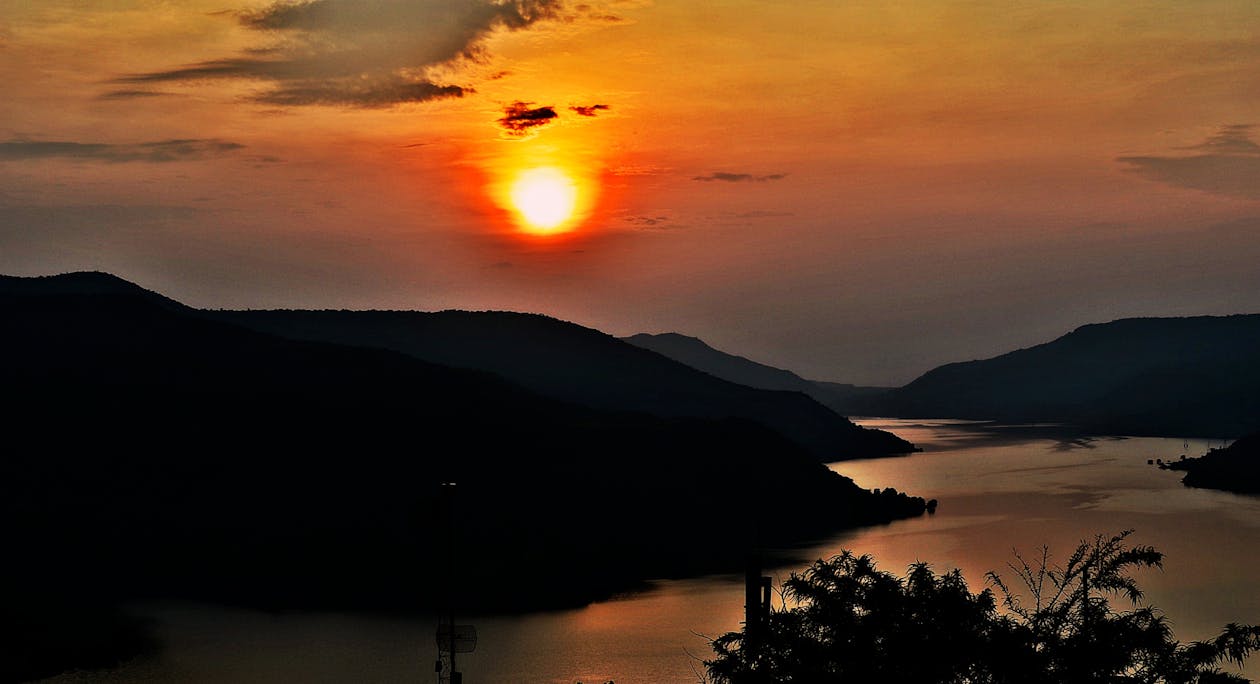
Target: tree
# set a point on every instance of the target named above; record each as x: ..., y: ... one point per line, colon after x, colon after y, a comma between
x: 843, y: 620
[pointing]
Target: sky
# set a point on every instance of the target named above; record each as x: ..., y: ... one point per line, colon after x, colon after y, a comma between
x: 856, y: 191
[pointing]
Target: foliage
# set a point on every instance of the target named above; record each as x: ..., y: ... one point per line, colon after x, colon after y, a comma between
x: 843, y: 620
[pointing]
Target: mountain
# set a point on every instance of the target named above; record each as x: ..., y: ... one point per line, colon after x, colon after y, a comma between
x: 571, y: 363
x: 1197, y: 376
x: 83, y: 283
x: 843, y: 397
x: 154, y: 451
x: 695, y: 353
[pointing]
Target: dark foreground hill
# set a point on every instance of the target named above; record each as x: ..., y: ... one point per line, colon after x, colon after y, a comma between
x: 580, y: 365
x: 694, y: 352
x: 151, y: 452
x: 1195, y: 376
x: 1235, y: 468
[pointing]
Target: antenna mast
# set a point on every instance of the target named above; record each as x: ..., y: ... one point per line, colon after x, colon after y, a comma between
x: 451, y: 638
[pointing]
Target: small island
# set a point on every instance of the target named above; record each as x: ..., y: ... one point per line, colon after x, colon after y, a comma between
x: 1235, y: 468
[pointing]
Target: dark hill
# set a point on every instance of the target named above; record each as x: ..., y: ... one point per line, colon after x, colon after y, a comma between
x: 1235, y: 468
x: 696, y: 353
x: 580, y: 365
x: 152, y: 452
x: 1195, y: 376
x: 83, y: 283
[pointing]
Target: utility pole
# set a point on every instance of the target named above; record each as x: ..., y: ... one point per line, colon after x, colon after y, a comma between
x: 757, y: 590
x: 451, y: 638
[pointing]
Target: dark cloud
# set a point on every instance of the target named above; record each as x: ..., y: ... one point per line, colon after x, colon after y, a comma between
x: 241, y: 67
x: 1231, y: 139
x: 157, y: 152
x: 589, y: 110
x: 648, y: 222
x: 359, y: 53
x: 589, y: 13
x: 385, y: 93
x: 130, y: 94
x: 738, y: 177
x: 519, y: 117
x: 1229, y: 166
x: 386, y: 15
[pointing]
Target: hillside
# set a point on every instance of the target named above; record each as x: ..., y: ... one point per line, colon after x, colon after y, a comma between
x: 1235, y: 468
x: 579, y: 365
x: 696, y: 353
x: 193, y: 458
x: 1195, y: 376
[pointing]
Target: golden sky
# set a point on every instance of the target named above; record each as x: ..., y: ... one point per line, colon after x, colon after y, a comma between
x: 857, y: 191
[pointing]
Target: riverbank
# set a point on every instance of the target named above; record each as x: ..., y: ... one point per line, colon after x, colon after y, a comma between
x: 1235, y: 468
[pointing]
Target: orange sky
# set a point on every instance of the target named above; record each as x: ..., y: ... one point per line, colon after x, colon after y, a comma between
x: 856, y: 191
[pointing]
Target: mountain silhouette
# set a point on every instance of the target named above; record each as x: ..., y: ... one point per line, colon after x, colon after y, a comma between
x: 580, y: 365
x: 153, y: 451
x: 1195, y: 376
x: 84, y: 283
x: 696, y: 353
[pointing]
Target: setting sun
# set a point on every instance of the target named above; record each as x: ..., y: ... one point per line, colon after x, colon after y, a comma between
x: 545, y: 198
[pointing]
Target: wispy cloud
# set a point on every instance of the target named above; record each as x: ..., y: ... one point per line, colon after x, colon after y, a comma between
x: 359, y: 53
x: 738, y: 177
x: 155, y: 152
x: 1230, y: 139
x: 1229, y: 164
x: 130, y: 94
x: 589, y: 110
x: 520, y: 117
x: 649, y: 222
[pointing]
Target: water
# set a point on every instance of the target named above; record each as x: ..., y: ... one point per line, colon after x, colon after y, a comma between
x: 997, y: 491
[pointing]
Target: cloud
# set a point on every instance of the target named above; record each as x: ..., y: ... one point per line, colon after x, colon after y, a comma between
x: 359, y: 53
x: 589, y: 110
x: 648, y: 222
x: 130, y: 94
x: 738, y: 177
x: 1229, y: 166
x: 155, y: 152
x: 1231, y: 139
x: 367, y: 94
x: 518, y: 117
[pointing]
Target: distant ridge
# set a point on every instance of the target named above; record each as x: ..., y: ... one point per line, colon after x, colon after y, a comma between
x: 1194, y: 376
x: 581, y: 365
x: 81, y: 283
x: 696, y: 353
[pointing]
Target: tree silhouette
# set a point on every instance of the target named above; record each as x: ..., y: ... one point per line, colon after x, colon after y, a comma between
x: 843, y: 620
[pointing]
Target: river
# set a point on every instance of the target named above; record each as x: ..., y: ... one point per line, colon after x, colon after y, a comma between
x: 999, y: 490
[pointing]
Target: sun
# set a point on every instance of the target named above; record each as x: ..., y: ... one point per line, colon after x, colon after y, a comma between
x: 545, y: 198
